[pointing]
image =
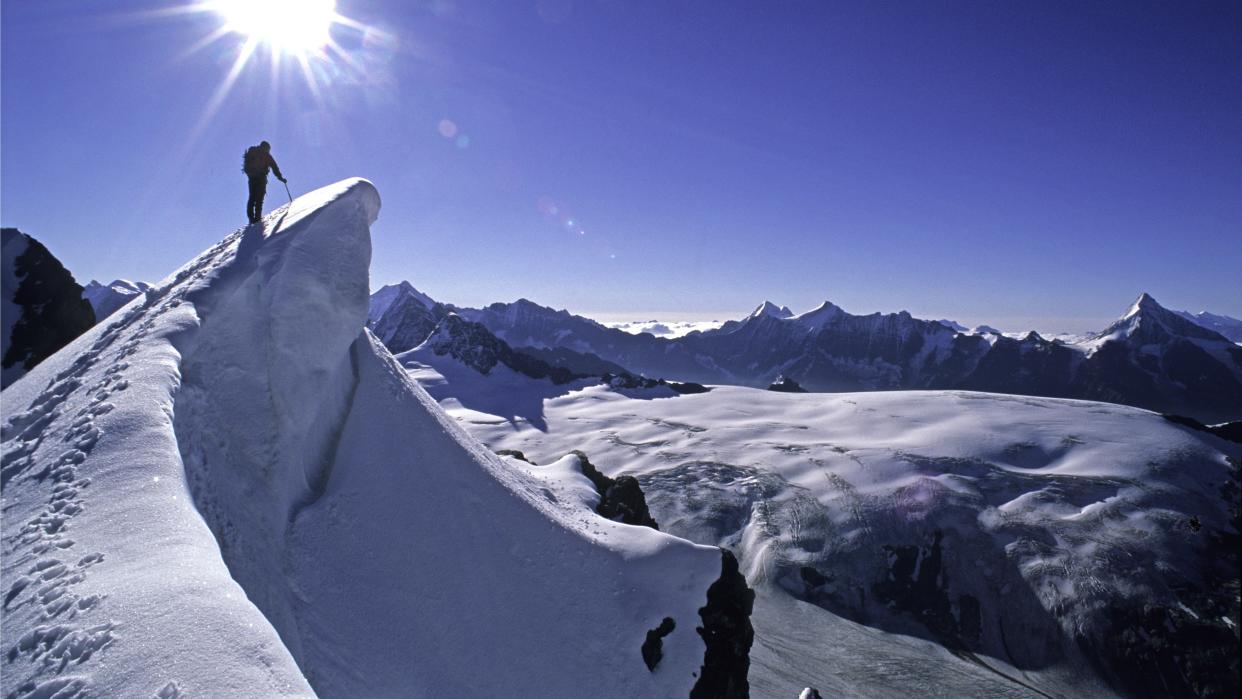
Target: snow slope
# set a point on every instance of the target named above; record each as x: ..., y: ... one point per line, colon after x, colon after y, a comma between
x: 232, y: 489
x: 968, y: 543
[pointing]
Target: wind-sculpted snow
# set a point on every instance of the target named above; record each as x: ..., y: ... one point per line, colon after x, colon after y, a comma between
x: 232, y: 489
x: 981, y: 544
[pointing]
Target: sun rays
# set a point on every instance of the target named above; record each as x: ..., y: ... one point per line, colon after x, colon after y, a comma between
x: 293, y: 27
x: 301, y: 39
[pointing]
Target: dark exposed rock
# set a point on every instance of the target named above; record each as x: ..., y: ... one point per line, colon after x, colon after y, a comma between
x: 624, y: 502
x: 653, y: 646
x: 475, y: 346
x: 915, y: 584
x: 52, y: 309
x: 583, y: 363
x: 1029, y: 366
x: 515, y: 454
x: 1155, y: 651
x: 969, y: 617
x: 688, y: 387
x: 620, y: 499
x: 812, y: 577
x: 1231, y: 431
x: 629, y: 381
x: 786, y: 384
x: 727, y: 633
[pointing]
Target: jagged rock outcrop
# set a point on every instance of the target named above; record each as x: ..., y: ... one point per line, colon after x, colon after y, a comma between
x: 728, y: 634
x: 653, y: 646
x: 630, y: 381
x: 786, y: 384
x: 621, y: 498
x: 43, y: 306
x: 1231, y: 431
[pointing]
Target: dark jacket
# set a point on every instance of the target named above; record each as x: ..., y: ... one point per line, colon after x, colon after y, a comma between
x: 257, y: 162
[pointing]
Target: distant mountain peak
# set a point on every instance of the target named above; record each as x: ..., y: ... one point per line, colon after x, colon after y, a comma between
x: 401, y: 316
x: 1145, y: 303
x: 953, y: 325
x: 121, y: 285
x: 822, y: 314
x: 767, y: 308
x: 392, y: 295
x: 1230, y: 328
x: 106, y: 299
x: 1149, y: 322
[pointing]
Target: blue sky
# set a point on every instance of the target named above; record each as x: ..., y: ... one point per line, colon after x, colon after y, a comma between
x: 1024, y: 164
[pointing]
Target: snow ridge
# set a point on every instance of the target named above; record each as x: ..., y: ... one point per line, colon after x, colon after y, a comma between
x: 235, y: 490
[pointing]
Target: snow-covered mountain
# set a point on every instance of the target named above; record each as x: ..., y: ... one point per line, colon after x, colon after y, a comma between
x: 753, y: 351
x: 402, y: 317
x: 463, y: 359
x: 42, y: 305
x: 474, y: 346
x: 972, y: 544
x: 1185, y: 369
x: 233, y: 489
x: 1228, y: 327
x: 1154, y: 358
x: 108, y: 299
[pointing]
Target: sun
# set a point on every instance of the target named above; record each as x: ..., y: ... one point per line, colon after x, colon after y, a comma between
x: 294, y: 36
x: 293, y: 27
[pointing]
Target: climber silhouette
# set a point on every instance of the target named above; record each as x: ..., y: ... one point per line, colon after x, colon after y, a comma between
x: 255, y: 163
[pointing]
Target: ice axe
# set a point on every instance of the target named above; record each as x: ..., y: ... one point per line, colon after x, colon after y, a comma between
x: 286, y: 183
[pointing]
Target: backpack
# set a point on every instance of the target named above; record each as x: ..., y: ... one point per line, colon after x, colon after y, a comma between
x: 252, y: 162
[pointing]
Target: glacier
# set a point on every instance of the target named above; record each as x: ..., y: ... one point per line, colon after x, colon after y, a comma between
x: 974, y: 544
x: 230, y: 488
